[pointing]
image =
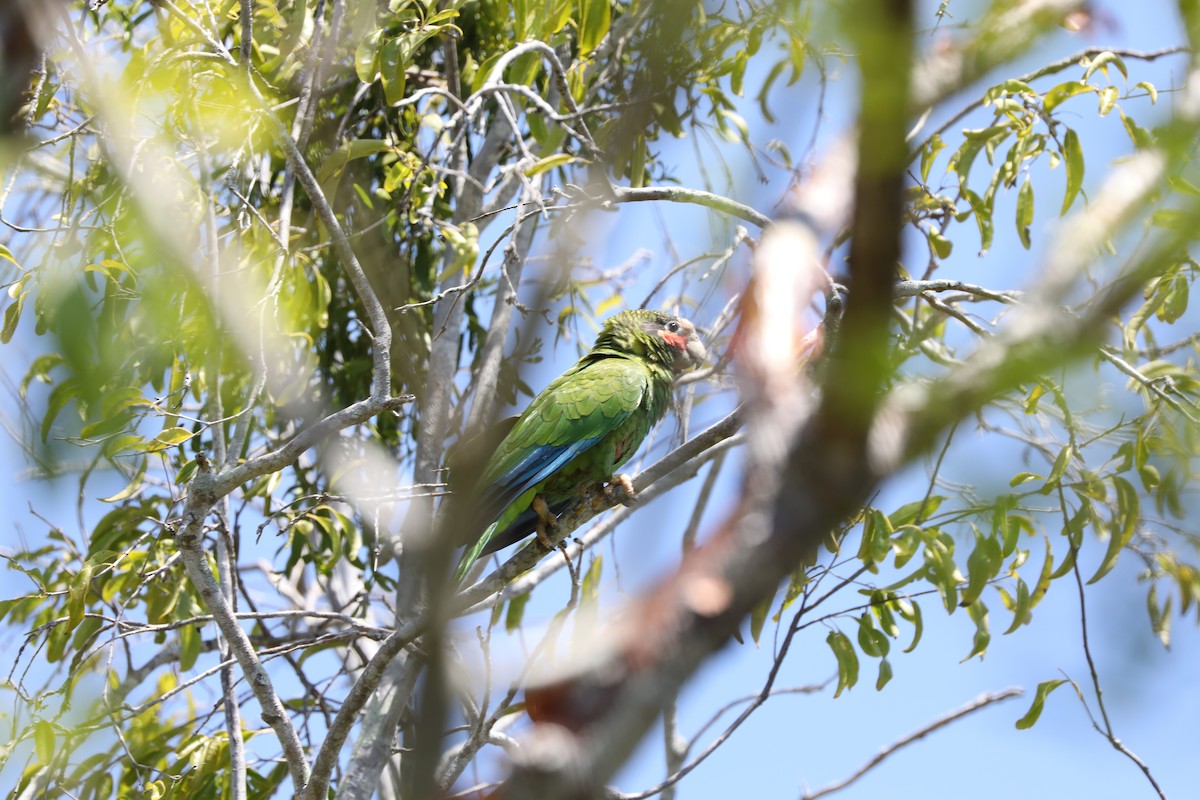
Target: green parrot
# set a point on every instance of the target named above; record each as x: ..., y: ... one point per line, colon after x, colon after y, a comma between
x: 581, y: 428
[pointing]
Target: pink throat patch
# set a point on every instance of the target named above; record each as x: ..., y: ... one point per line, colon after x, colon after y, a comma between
x: 674, y: 339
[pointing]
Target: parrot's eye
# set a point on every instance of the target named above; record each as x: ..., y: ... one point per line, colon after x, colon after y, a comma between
x: 673, y: 326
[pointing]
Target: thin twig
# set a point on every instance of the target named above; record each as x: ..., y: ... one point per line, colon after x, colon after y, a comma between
x: 970, y: 708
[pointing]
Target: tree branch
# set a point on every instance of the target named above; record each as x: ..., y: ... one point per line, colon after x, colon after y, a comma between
x: 977, y: 704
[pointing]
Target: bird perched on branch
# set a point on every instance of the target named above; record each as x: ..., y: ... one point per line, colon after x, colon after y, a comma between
x: 582, y: 427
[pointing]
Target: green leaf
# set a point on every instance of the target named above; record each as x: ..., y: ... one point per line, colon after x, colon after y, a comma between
x: 549, y: 163
x: 876, y: 538
x: 189, y: 646
x: 978, y: 613
x: 516, y: 611
x: 983, y: 218
x: 595, y: 16
x: 77, y: 595
x: 1073, y: 157
x: 12, y: 315
x: 1160, y: 616
x: 1025, y: 212
x: 134, y: 484
x: 847, y: 660
x: 1108, y: 99
x: 930, y: 154
x: 347, y: 152
x: 43, y: 741
x: 758, y: 617
x: 169, y: 438
x: 1020, y: 606
x: 885, y: 674
x: 59, y: 396
x: 1101, y: 63
x: 366, y: 63
x: 1140, y: 137
x: 982, y: 565
x: 871, y: 640
x: 1039, y: 701
x: 1064, y: 91
x: 392, y: 69
x: 938, y: 244
x: 1056, y: 472
x: 913, y: 512
x: 913, y: 615
x: 1125, y: 520
x: 185, y: 473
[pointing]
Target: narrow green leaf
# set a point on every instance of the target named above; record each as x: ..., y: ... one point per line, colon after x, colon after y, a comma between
x: 1073, y: 157
x: 885, y: 674
x: 595, y: 16
x: 847, y: 660
x: 983, y: 218
x: 1160, y: 616
x: 134, y: 484
x: 1101, y: 63
x: 1039, y: 701
x: 189, y: 646
x: 12, y: 315
x: 758, y: 617
x: 169, y: 438
x: 59, y: 396
x: 1064, y: 91
x: 915, y: 511
x: 77, y: 595
x: 549, y: 163
x: 355, y: 148
x: 1125, y: 520
x: 1056, y: 472
x: 1108, y: 99
x: 913, y: 615
x: 978, y: 613
x: 1025, y: 212
x: 516, y: 611
x: 870, y: 640
x: 43, y: 741
x: 1044, y: 578
x: 1020, y: 606
x: 365, y: 57
x: 982, y: 565
x: 392, y: 69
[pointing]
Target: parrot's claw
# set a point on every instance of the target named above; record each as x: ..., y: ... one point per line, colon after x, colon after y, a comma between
x: 546, y: 521
x: 620, y: 489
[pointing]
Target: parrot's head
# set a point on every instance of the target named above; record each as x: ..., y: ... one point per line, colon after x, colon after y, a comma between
x: 655, y: 335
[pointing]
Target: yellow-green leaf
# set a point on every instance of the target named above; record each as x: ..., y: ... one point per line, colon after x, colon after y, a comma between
x: 1073, y: 157
x: 1025, y: 212
x: 595, y: 16
x: 549, y: 163
x: 1039, y: 700
x: 43, y: 741
x: 1063, y: 92
x: 134, y: 484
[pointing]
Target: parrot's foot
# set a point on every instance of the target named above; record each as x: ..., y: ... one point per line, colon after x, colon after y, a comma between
x: 546, y: 521
x: 620, y: 490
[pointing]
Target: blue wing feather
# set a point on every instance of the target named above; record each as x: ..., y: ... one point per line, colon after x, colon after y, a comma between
x: 541, y: 463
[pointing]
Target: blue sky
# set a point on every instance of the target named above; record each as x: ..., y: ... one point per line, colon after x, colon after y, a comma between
x: 798, y: 741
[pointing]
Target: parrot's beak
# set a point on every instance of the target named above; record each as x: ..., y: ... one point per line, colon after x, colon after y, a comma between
x: 692, y: 355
